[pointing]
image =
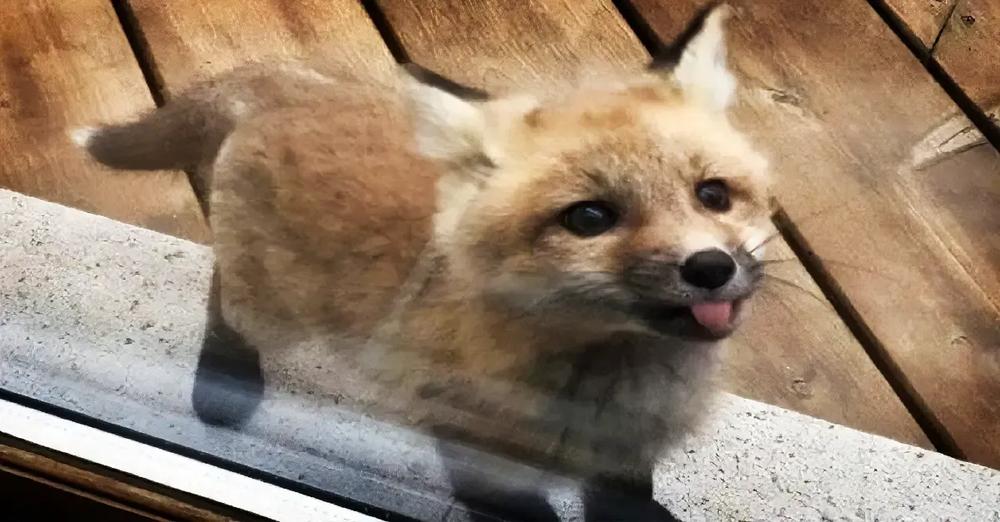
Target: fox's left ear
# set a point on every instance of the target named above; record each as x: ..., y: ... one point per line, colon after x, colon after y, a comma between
x: 449, y: 120
x: 696, y: 61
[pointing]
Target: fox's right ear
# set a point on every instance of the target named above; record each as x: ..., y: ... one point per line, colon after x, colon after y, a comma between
x: 448, y: 118
x: 696, y: 60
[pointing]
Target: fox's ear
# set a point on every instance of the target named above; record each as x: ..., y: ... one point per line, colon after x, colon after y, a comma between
x: 696, y: 60
x: 448, y: 118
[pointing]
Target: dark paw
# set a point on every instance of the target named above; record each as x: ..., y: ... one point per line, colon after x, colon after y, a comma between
x: 489, y: 496
x: 601, y: 506
x: 515, y: 507
x: 651, y: 511
x: 228, y: 384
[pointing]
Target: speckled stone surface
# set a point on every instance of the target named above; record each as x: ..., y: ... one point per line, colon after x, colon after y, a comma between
x: 105, y: 319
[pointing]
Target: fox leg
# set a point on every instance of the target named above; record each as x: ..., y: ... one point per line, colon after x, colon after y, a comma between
x: 228, y: 383
x: 494, y: 496
x: 618, y: 498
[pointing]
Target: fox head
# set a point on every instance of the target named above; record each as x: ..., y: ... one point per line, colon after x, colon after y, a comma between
x: 634, y: 206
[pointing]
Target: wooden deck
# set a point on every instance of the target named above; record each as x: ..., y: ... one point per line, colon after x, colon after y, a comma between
x: 963, y: 36
x: 890, y: 197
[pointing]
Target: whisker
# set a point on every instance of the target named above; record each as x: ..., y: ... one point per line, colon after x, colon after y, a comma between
x: 834, y: 262
x: 780, y: 216
x: 766, y: 240
x: 783, y: 302
x: 798, y: 221
x: 814, y: 214
x: 766, y: 262
x: 793, y: 284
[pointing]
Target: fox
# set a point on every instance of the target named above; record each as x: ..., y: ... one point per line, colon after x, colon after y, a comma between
x: 551, y: 276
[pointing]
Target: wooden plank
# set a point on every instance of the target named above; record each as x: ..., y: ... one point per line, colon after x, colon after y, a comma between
x: 189, y: 41
x: 904, y: 223
x: 923, y: 18
x: 969, y: 51
x: 795, y: 352
x: 29, y: 497
x: 133, y: 499
x: 65, y: 65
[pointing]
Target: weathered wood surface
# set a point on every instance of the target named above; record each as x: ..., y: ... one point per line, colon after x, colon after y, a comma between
x: 795, y: 352
x: 969, y: 51
x: 68, y: 64
x: 963, y: 36
x: 193, y: 40
x: 904, y: 222
x: 923, y: 18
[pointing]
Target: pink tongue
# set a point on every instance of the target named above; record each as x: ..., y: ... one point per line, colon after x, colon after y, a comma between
x: 714, y: 316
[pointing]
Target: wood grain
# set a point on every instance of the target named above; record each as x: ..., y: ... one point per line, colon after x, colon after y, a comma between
x: 923, y: 18
x: 65, y: 65
x: 29, y: 497
x: 795, y: 352
x: 969, y: 51
x: 103, y: 486
x: 904, y: 223
x: 193, y: 40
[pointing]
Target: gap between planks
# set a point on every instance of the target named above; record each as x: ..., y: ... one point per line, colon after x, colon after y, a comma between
x: 140, y: 49
x: 986, y: 125
x: 385, y: 31
x: 154, y: 80
x: 900, y: 384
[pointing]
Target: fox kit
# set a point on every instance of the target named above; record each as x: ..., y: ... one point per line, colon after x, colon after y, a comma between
x: 548, y: 276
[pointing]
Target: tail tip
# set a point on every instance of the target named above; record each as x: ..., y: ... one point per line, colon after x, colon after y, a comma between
x: 82, y: 136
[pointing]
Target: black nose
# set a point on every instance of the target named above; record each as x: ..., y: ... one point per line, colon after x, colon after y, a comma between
x: 708, y: 269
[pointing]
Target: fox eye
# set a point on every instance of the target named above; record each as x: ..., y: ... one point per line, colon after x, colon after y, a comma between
x: 589, y: 218
x: 714, y: 194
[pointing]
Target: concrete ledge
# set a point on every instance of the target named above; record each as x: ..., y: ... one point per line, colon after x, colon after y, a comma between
x: 105, y: 319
